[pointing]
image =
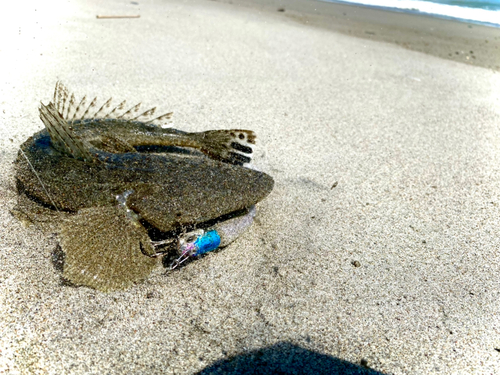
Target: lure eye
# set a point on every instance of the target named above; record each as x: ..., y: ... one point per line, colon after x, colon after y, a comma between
x: 195, y: 244
x: 191, y: 238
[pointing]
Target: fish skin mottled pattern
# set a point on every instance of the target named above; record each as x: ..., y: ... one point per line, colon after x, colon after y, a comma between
x: 198, y: 187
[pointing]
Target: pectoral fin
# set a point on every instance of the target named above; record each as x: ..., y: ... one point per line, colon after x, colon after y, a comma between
x: 104, y: 249
x: 29, y: 212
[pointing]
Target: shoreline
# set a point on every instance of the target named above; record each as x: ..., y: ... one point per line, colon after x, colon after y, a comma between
x: 417, y: 12
x: 461, y: 41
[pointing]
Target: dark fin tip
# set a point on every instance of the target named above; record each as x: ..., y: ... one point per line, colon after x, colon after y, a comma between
x: 238, y: 158
x: 239, y: 147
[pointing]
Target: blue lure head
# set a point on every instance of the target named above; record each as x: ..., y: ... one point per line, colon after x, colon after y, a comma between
x: 196, y: 243
x: 209, y: 241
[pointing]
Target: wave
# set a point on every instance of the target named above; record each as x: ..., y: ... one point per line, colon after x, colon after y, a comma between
x: 479, y: 15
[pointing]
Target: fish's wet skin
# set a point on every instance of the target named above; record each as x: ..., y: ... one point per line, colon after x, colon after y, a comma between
x: 104, y: 177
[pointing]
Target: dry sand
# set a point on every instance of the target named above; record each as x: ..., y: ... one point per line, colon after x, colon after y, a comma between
x: 379, y: 246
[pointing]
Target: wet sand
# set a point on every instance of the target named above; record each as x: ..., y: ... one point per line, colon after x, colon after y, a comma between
x: 377, y: 251
x: 464, y: 42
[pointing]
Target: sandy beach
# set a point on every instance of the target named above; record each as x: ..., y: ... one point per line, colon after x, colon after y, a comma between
x: 376, y: 252
x: 468, y: 43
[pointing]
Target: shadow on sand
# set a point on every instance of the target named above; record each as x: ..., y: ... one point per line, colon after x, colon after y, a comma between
x: 285, y: 358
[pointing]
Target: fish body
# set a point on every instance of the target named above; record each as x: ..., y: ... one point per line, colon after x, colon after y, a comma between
x: 117, y: 175
x: 168, y: 190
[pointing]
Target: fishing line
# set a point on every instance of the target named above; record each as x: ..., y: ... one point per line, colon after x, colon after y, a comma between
x: 39, y: 179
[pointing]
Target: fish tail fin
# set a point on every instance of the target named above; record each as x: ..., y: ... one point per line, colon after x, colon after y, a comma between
x: 62, y: 137
x: 233, y: 146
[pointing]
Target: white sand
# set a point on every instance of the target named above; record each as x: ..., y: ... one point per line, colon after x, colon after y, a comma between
x: 411, y: 139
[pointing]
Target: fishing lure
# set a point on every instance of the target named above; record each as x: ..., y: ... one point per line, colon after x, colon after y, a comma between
x: 199, y: 242
x: 110, y: 178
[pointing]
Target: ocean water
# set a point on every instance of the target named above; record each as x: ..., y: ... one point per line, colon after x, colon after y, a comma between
x: 485, y: 12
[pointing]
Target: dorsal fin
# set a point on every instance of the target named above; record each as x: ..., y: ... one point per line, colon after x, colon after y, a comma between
x: 66, y: 105
x: 62, y: 137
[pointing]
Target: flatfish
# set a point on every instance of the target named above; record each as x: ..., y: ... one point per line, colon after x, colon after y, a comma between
x: 108, y: 178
